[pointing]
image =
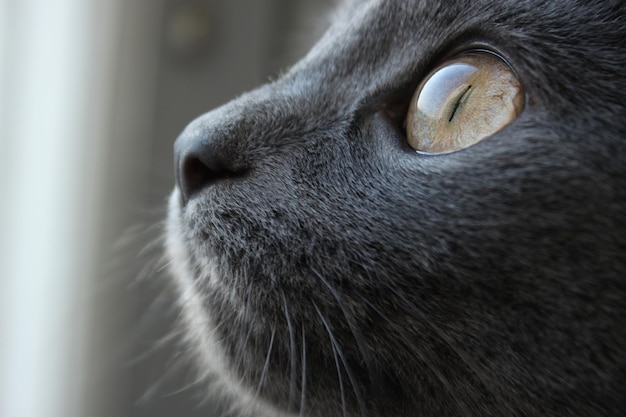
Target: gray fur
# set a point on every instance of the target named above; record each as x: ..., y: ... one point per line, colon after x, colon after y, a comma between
x: 486, y: 282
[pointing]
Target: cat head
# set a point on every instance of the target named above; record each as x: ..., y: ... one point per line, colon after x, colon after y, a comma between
x: 326, y: 267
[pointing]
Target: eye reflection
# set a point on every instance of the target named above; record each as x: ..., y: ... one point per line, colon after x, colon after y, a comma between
x: 440, y: 87
x: 462, y: 102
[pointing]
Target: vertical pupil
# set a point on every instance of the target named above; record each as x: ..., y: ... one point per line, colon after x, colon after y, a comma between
x: 458, y: 102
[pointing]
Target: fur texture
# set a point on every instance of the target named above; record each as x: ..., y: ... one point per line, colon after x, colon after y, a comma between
x: 329, y: 270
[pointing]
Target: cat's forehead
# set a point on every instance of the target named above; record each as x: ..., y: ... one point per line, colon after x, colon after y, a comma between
x: 424, y: 21
x: 375, y: 43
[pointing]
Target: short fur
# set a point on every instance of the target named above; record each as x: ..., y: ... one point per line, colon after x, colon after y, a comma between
x: 339, y: 273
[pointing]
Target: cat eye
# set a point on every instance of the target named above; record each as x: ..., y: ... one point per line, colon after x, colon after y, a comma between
x: 463, y: 101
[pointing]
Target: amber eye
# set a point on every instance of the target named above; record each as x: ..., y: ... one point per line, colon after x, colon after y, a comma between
x: 463, y: 101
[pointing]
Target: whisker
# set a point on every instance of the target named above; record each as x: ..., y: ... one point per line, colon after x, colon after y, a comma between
x: 193, y: 384
x: 265, y: 365
x: 164, y: 266
x: 465, y: 359
x: 400, y: 332
x: 346, y: 366
x: 337, y: 366
x: 303, y: 383
x: 169, y: 372
x: 292, y: 355
x: 242, y: 346
x: 251, y: 405
x: 146, y: 323
x: 356, y: 333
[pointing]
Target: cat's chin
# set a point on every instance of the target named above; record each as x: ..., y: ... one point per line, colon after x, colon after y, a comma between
x: 201, y: 329
x: 250, y: 336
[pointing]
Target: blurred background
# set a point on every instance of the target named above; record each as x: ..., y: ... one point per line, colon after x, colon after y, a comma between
x: 92, y: 95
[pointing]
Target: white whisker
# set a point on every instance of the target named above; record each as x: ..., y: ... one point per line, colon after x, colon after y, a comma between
x: 346, y: 366
x: 303, y: 383
x: 292, y: 356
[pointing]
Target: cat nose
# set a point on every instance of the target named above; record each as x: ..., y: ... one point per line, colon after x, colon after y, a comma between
x: 201, y: 159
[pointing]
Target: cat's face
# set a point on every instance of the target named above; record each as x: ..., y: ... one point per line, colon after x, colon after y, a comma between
x: 326, y: 267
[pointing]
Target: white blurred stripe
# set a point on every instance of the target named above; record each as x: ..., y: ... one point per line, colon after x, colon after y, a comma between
x: 47, y: 180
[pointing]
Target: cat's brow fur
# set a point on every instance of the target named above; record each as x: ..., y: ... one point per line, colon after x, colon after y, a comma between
x: 345, y: 275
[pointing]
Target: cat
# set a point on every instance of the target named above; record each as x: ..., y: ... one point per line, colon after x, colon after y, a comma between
x: 332, y: 259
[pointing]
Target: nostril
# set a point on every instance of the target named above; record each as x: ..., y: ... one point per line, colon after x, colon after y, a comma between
x: 199, y: 172
x: 196, y: 175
